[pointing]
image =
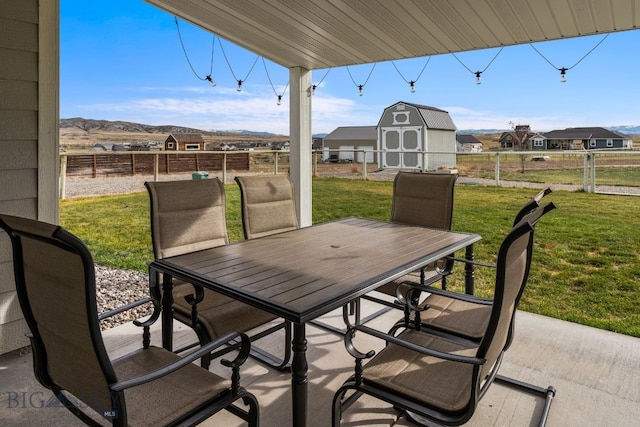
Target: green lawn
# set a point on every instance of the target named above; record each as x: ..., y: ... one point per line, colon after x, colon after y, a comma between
x: 586, y: 266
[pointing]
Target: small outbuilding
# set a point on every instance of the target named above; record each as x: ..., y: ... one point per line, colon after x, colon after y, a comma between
x: 467, y: 143
x: 351, y: 143
x: 413, y: 136
x: 184, y: 142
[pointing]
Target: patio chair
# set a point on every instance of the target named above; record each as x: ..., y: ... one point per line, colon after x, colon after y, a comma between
x: 55, y: 282
x: 424, y: 199
x: 440, y: 378
x: 267, y: 205
x: 188, y: 216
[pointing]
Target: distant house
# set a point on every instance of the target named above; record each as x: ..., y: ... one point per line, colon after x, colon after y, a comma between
x: 517, y: 139
x: 349, y: 138
x: 184, y: 141
x: 586, y: 138
x: 406, y: 130
x: 467, y: 143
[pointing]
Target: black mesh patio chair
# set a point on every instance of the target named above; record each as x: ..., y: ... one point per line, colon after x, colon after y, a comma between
x: 440, y: 378
x: 188, y: 216
x: 55, y: 283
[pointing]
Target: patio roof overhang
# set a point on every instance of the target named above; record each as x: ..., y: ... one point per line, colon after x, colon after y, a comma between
x: 317, y: 34
x: 305, y: 35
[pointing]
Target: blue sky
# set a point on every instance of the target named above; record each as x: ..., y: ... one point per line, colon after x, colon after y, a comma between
x: 122, y: 60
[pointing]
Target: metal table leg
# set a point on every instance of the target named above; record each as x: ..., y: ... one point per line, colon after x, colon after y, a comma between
x: 299, y: 379
x: 167, y: 312
x: 469, y: 271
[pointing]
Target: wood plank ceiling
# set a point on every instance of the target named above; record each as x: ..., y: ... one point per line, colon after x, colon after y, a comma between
x: 317, y: 34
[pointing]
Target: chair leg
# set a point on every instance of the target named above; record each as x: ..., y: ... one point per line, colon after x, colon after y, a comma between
x: 548, y: 393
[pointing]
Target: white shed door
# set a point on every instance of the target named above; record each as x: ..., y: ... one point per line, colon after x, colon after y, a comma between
x: 401, y: 147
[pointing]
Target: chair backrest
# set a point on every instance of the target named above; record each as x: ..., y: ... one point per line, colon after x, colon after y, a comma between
x: 267, y: 204
x: 512, y: 272
x: 187, y: 216
x: 55, y: 283
x: 531, y: 205
x: 424, y: 199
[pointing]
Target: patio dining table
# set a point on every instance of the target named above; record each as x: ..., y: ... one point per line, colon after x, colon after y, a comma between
x: 302, y: 274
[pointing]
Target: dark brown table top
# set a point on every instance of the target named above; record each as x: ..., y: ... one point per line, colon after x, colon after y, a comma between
x: 302, y: 274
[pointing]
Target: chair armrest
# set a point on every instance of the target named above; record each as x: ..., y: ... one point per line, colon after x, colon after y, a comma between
x: 124, y: 308
x: 189, y: 358
x: 348, y: 338
x: 466, y: 261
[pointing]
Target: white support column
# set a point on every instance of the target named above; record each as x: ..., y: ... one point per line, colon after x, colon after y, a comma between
x: 300, y: 135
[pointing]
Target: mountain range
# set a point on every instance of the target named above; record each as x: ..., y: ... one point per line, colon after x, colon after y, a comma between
x: 92, y: 125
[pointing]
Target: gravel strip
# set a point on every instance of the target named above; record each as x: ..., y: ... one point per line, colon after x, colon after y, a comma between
x: 116, y: 288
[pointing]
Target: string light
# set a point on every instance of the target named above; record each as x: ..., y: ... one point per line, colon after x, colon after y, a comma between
x: 312, y: 89
x: 278, y: 95
x: 361, y: 86
x: 240, y: 81
x: 563, y: 74
x: 478, y: 73
x: 563, y: 70
x: 184, y: 49
x: 412, y: 83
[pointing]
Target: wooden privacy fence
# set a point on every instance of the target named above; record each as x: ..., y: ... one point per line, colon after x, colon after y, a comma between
x: 129, y: 163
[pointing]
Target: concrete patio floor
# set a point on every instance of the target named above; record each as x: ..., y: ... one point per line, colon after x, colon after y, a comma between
x: 596, y: 375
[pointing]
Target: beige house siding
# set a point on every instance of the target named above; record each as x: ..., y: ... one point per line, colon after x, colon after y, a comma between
x: 29, y: 82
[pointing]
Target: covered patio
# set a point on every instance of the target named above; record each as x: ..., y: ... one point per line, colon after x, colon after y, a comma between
x: 596, y: 373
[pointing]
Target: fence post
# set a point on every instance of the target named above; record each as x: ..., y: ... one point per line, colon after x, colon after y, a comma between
x: 587, y: 172
x: 275, y: 163
x: 63, y: 176
x: 156, y: 159
x: 224, y: 167
x: 593, y: 173
x: 315, y: 164
x: 497, y: 169
x: 364, y: 165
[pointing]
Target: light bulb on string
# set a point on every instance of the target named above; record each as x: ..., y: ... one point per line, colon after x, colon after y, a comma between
x: 210, y: 80
x: 239, y: 88
x: 563, y: 75
x: 478, y: 80
x: 279, y: 100
x: 413, y: 87
x: 360, y: 90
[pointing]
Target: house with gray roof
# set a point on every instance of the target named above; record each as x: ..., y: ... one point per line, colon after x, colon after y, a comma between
x: 586, y: 138
x: 467, y: 143
x: 351, y: 143
x: 406, y: 130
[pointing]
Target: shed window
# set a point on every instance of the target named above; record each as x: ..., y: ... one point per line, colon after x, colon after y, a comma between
x: 192, y: 146
x: 609, y: 143
x: 592, y: 143
x: 400, y: 117
x: 537, y: 143
x: 170, y: 145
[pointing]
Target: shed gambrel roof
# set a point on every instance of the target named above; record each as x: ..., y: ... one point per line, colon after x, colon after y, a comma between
x: 467, y: 138
x: 583, y: 133
x: 355, y: 133
x: 433, y: 117
x: 187, y: 137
